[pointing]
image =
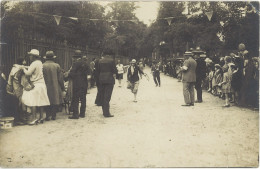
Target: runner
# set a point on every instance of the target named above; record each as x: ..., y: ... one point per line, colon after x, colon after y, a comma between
x: 120, y: 72
x: 133, y: 78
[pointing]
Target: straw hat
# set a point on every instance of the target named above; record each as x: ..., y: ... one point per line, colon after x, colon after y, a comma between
x: 34, y: 52
x: 188, y: 54
x: 77, y: 54
x: 133, y: 61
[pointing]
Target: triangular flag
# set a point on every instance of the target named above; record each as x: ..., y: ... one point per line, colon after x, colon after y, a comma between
x: 209, y: 15
x: 57, y: 19
x: 73, y: 18
x: 169, y: 20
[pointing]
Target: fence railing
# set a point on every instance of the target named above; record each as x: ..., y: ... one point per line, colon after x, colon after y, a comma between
x: 10, y: 51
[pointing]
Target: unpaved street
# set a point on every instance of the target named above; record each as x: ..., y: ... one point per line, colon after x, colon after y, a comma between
x: 154, y: 132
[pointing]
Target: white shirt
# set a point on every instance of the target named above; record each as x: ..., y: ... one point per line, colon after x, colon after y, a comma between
x: 120, y: 68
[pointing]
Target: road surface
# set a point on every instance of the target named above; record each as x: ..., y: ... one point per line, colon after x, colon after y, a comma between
x: 154, y: 132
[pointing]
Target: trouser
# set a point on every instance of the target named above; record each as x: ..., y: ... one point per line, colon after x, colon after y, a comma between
x: 79, y: 95
x: 106, y: 93
x: 51, y: 111
x: 98, y: 97
x: 198, y: 89
x: 188, y: 92
x: 157, y: 79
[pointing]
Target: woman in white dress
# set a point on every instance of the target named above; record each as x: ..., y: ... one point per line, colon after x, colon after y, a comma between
x: 120, y: 72
x: 36, y: 98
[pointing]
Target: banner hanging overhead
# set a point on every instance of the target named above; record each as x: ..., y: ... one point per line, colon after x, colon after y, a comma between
x: 209, y: 15
x: 57, y: 19
x: 169, y: 20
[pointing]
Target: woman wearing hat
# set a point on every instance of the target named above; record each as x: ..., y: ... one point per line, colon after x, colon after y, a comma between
x: 133, y: 77
x: 37, y: 97
x: 54, y: 83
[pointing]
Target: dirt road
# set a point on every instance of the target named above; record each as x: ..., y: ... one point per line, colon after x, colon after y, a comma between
x: 154, y: 132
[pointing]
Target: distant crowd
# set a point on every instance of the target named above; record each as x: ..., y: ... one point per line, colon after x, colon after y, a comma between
x: 233, y: 78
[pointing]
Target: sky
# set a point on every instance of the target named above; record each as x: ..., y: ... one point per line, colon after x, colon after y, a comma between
x: 147, y: 10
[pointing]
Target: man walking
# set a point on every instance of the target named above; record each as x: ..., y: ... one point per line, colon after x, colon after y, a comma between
x: 200, y: 75
x: 188, y: 79
x: 106, y: 71
x: 79, y: 72
x: 156, y: 74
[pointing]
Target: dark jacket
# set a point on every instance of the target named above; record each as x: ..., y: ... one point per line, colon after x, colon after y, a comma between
x: 106, y: 68
x: 54, y: 82
x: 201, y: 69
x: 78, y: 73
x: 134, y: 77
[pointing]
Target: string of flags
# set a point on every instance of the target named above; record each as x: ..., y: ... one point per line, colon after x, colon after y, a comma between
x: 58, y: 18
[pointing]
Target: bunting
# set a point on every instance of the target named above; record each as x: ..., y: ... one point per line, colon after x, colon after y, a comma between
x: 57, y: 19
x: 209, y: 15
x: 75, y: 19
x: 169, y: 20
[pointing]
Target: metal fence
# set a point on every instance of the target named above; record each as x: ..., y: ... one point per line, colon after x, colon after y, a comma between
x: 20, y: 47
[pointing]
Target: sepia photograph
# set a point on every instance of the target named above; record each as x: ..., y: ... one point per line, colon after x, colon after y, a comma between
x: 129, y: 84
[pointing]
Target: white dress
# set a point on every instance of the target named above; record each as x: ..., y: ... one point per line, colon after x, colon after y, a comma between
x: 38, y: 95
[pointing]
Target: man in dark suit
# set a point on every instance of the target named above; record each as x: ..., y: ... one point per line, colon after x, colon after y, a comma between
x: 106, y: 71
x: 188, y: 79
x: 200, y: 75
x: 79, y: 72
x: 96, y: 76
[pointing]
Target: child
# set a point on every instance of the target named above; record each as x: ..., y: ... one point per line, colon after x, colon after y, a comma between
x: 217, y: 78
x: 210, y: 77
x: 226, y: 84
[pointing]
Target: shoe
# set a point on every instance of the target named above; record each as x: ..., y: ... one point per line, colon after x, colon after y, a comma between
x: 192, y: 104
x: 109, y: 115
x: 53, y: 118
x: 82, y: 116
x: 226, y: 105
x: 135, y: 101
x: 73, y: 117
x: 35, y: 122
x: 198, y: 101
x: 41, y: 121
x: 186, y: 105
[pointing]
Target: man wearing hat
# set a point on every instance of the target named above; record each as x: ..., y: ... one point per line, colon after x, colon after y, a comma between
x: 54, y: 82
x: 106, y: 72
x: 201, y: 70
x: 78, y: 73
x: 188, y: 78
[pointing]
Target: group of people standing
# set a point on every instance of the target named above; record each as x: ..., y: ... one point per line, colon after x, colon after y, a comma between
x: 36, y: 88
x: 234, y: 78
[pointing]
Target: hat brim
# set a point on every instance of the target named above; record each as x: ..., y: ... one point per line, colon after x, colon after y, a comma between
x: 53, y: 57
x: 29, y: 53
